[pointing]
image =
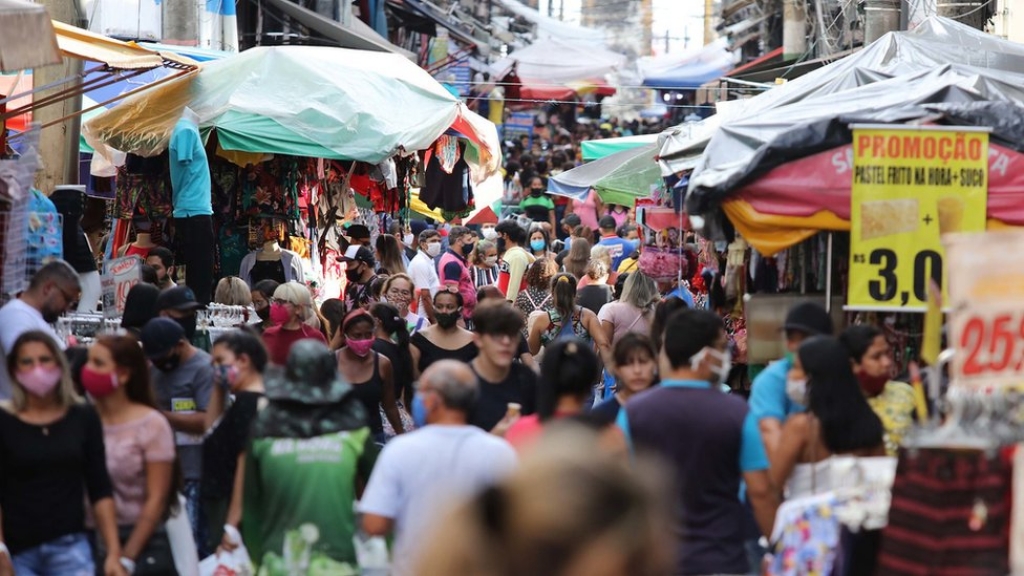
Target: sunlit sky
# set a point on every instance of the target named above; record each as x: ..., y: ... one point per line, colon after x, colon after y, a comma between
x: 680, y: 18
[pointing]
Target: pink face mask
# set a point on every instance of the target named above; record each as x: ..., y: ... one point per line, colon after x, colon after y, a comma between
x: 39, y: 381
x: 360, y: 347
x: 279, y: 314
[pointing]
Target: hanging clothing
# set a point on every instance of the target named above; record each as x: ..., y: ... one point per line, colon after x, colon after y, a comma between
x: 70, y: 203
x: 290, y: 261
x: 448, y: 185
x: 949, y: 514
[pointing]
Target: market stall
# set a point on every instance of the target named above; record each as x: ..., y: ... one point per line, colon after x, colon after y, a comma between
x: 292, y: 133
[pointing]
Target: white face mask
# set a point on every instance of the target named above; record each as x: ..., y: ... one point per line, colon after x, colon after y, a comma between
x: 489, y: 233
x: 721, y: 371
x: 408, y: 239
x: 433, y: 249
x: 796, y: 390
x: 491, y: 260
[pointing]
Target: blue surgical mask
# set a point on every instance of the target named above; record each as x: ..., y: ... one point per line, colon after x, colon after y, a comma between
x: 419, y: 411
x: 537, y: 245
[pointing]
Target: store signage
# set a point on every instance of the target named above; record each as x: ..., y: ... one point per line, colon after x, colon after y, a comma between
x: 910, y: 186
x: 986, y: 318
x: 119, y: 275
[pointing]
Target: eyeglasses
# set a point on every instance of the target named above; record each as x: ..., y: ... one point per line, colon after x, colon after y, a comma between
x: 71, y: 300
x: 397, y: 292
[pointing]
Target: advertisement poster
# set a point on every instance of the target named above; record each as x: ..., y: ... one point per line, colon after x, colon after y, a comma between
x: 119, y: 275
x: 986, y: 309
x: 910, y: 186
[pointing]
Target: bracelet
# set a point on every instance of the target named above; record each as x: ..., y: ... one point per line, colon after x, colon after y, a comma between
x: 128, y: 564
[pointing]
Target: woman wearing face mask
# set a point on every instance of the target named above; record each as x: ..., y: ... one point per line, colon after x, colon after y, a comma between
x: 289, y: 309
x: 487, y: 231
x: 485, y: 264
x: 445, y: 340
x: 140, y: 451
x: 635, y: 370
x: 239, y: 359
x: 538, y: 206
x: 838, y: 420
x: 262, y: 294
x: 540, y: 244
x: 370, y: 373
x: 892, y: 401
x: 392, y: 340
x: 397, y: 291
x: 51, y: 456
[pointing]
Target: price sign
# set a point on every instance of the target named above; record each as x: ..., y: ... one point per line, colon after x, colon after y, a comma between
x: 119, y: 275
x: 986, y: 309
x: 910, y: 186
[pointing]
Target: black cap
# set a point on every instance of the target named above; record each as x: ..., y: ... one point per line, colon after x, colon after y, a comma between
x: 607, y: 223
x: 179, y: 298
x: 572, y: 220
x: 359, y: 254
x: 358, y: 232
x: 809, y: 318
x: 159, y: 336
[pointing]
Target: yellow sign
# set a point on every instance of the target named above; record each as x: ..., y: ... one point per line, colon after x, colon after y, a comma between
x: 910, y: 186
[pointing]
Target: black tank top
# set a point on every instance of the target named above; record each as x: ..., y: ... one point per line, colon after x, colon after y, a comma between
x: 370, y: 393
x: 430, y: 352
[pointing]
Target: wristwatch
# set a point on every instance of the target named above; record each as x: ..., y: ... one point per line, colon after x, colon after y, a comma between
x: 128, y: 564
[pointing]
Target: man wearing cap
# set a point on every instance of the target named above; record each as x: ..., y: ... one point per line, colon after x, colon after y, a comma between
x: 770, y: 402
x: 618, y: 248
x: 179, y: 304
x: 360, y: 271
x: 183, y: 382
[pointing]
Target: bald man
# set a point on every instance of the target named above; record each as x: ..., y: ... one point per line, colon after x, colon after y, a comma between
x: 445, y: 459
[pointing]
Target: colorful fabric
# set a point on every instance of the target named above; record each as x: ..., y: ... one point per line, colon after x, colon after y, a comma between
x: 895, y: 408
x: 806, y: 536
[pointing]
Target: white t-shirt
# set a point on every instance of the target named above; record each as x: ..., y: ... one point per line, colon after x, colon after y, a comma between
x: 418, y: 473
x: 424, y: 273
x: 16, y: 318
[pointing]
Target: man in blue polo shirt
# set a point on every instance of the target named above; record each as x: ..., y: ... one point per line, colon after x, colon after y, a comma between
x: 770, y: 402
x: 709, y: 440
x: 618, y: 248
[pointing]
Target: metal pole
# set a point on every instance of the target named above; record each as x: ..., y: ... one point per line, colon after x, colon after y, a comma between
x: 828, y: 276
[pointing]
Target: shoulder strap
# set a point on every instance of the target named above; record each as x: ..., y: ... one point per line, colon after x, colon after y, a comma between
x: 376, y: 364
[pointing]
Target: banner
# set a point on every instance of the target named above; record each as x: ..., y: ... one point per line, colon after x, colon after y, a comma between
x: 910, y: 186
x: 119, y: 275
x: 986, y: 319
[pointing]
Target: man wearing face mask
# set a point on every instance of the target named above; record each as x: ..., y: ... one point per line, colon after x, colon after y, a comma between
x: 183, y: 383
x: 454, y: 267
x: 179, y: 304
x: 54, y: 290
x: 709, y: 439
x: 424, y: 273
x: 771, y: 399
x: 443, y: 458
x: 360, y: 272
x: 538, y: 206
x: 487, y: 231
x: 514, y: 259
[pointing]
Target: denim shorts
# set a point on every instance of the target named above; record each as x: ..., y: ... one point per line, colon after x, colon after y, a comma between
x: 68, y: 555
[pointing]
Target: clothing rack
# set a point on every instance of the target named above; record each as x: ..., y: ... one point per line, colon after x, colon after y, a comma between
x: 84, y: 328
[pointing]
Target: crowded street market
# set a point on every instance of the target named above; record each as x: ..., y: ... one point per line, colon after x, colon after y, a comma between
x: 511, y: 288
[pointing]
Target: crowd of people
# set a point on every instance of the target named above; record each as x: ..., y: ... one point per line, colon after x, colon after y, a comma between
x: 457, y: 389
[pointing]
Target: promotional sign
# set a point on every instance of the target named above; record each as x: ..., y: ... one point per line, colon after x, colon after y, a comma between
x: 910, y: 186
x: 119, y: 275
x: 986, y: 318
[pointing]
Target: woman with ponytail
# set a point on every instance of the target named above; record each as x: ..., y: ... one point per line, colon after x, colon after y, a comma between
x: 567, y: 377
x: 565, y: 319
x: 392, y: 342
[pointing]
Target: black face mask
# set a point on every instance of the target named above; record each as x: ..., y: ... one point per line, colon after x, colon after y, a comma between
x: 188, y: 324
x: 264, y: 313
x: 447, y: 319
x: 353, y: 275
x: 168, y: 363
x: 467, y: 249
x: 501, y: 245
x: 536, y: 191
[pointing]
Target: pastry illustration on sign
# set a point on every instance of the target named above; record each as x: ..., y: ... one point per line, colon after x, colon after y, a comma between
x: 888, y: 217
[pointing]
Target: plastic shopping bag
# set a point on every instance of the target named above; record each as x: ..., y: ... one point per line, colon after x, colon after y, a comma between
x: 183, y: 546
x: 234, y: 563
